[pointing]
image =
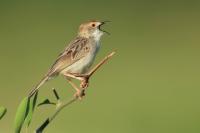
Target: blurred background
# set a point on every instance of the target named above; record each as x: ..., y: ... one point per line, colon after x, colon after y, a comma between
x: 151, y: 85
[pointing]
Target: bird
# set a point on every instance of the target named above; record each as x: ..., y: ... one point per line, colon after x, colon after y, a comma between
x: 77, y: 57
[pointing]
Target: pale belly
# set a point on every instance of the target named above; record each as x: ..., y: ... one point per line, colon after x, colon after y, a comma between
x: 81, y: 66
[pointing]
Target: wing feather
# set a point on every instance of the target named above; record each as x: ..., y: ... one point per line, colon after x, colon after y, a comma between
x: 72, y: 53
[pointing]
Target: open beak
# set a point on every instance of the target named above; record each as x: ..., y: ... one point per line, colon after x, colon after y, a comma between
x: 102, y: 23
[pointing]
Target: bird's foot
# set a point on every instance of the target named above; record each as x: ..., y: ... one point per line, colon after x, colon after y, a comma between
x: 84, y: 82
x: 80, y: 94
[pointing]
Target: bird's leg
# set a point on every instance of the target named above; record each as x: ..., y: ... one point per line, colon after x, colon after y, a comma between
x: 72, y: 75
x: 79, y: 91
x: 84, y: 78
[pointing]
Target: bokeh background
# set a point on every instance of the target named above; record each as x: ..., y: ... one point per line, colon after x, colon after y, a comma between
x: 150, y: 86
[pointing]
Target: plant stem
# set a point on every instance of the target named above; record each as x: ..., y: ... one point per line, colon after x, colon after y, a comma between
x: 61, y: 105
x: 59, y: 108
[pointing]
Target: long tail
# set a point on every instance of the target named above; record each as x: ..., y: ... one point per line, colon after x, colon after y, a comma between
x: 37, y: 87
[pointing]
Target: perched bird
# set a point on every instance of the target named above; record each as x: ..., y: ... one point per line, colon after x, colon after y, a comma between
x: 77, y: 57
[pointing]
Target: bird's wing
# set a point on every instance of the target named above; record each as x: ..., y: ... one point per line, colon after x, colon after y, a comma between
x: 75, y: 51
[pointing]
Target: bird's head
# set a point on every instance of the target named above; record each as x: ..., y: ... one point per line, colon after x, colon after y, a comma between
x: 91, y: 29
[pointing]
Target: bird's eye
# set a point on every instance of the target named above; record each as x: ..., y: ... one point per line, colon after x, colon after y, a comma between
x: 93, y: 25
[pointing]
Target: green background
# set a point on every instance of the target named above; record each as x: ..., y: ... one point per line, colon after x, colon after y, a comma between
x: 151, y: 85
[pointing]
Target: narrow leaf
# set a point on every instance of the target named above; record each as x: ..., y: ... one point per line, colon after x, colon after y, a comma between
x: 31, y: 110
x: 3, y: 111
x: 56, y: 94
x: 21, y: 114
x: 42, y: 127
x: 35, y: 100
x: 46, y: 101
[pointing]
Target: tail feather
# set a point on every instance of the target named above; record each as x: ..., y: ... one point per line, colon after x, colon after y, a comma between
x: 37, y: 87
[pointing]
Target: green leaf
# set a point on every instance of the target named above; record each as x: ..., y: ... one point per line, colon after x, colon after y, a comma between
x: 3, y: 111
x: 35, y: 100
x: 21, y: 114
x: 46, y: 101
x: 31, y: 110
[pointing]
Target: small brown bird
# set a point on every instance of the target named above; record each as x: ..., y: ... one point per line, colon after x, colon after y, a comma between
x: 77, y: 57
